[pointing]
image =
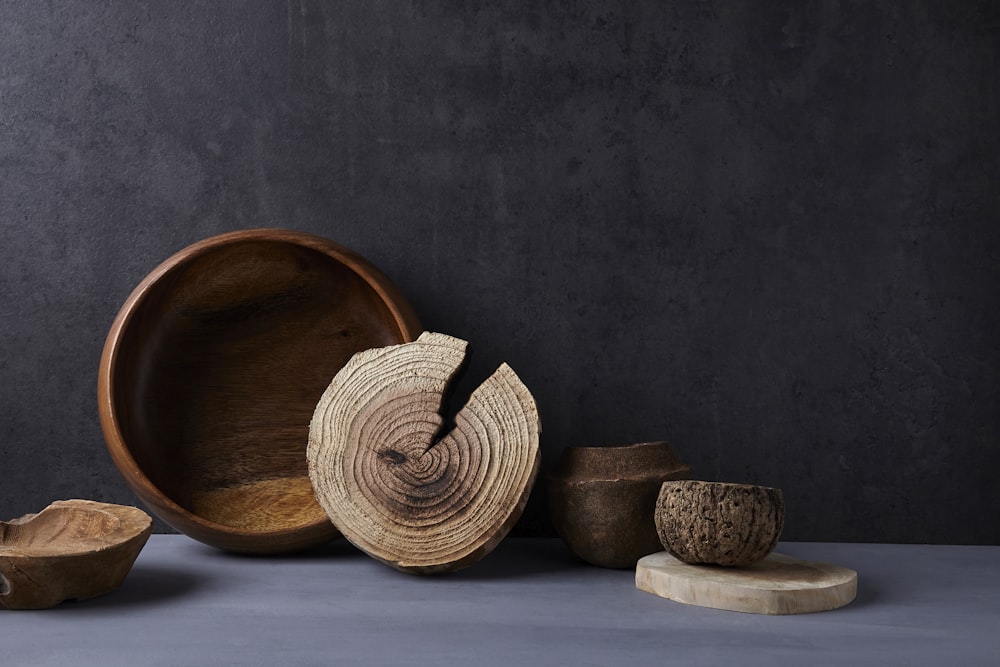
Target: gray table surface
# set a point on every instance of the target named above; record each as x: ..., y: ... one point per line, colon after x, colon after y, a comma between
x: 529, y: 602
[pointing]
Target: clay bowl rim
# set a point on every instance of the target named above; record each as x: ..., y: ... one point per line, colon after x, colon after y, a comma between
x: 164, y: 507
x: 590, y: 454
x: 632, y: 445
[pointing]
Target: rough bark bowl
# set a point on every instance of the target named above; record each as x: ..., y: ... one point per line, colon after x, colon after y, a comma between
x: 719, y: 523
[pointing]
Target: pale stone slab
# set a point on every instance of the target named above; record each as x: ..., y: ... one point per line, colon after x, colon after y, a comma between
x: 776, y: 585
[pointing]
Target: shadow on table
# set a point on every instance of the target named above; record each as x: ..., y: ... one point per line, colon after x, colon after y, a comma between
x: 522, y: 557
x: 145, y: 585
x: 867, y: 594
x: 339, y: 549
x: 513, y: 558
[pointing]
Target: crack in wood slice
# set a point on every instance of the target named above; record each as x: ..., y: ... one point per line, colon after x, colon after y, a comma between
x: 396, y: 489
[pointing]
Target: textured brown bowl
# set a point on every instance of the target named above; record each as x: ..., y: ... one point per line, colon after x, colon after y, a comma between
x: 71, y: 550
x: 212, y: 370
x: 719, y: 523
x: 601, y: 500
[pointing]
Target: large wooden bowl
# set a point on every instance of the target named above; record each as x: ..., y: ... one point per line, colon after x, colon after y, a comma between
x: 212, y: 370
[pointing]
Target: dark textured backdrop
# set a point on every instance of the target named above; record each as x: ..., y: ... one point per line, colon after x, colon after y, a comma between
x: 766, y: 232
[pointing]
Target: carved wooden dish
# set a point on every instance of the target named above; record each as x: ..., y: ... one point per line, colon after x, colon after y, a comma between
x: 212, y: 370
x: 71, y: 550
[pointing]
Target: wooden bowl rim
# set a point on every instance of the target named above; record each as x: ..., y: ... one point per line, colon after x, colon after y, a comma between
x: 162, y: 505
x: 129, y: 524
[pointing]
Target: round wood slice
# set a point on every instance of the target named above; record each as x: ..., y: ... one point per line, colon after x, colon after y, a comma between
x: 776, y: 585
x: 393, y: 485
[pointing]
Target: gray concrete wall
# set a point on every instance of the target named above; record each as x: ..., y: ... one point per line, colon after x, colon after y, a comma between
x: 765, y: 232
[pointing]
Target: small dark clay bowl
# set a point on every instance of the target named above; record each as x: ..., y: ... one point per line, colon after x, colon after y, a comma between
x: 719, y: 523
x: 601, y: 500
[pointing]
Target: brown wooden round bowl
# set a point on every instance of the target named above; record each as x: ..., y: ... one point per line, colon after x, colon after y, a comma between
x: 213, y: 368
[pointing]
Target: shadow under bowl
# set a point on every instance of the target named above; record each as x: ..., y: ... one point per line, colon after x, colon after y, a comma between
x: 212, y: 370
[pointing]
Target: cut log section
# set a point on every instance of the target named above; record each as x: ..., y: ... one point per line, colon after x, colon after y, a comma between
x: 777, y: 584
x: 401, y: 491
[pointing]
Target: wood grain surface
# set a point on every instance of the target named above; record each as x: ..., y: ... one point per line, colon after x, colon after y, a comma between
x: 778, y: 584
x: 415, y: 498
x: 73, y: 549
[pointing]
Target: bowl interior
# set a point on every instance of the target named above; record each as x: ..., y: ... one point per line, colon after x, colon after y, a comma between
x: 219, y: 369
